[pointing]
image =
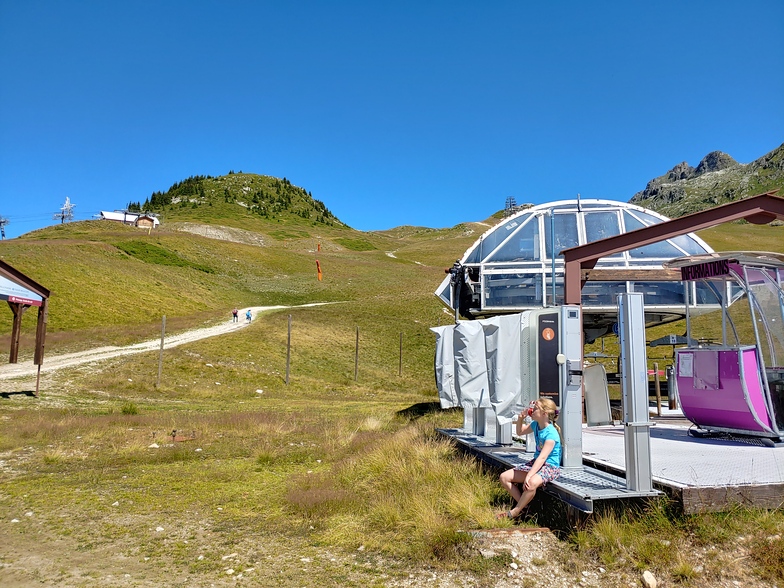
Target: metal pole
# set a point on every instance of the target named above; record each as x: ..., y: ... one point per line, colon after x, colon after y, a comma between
x: 160, y: 356
x: 634, y: 388
x: 724, y: 311
x: 658, y: 388
x: 454, y: 278
x: 686, y: 292
x: 288, y: 353
x: 672, y: 390
x: 552, y: 253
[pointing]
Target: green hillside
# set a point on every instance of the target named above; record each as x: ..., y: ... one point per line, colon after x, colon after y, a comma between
x: 112, y: 283
x: 238, y: 198
x: 335, y: 478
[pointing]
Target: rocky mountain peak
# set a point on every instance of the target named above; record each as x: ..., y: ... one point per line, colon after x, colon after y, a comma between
x: 681, y: 171
x: 714, y: 161
x: 685, y: 189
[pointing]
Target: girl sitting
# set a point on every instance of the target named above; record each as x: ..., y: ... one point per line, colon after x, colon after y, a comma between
x: 546, y: 464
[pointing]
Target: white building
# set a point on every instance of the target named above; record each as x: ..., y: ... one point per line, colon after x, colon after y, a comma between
x: 130, y: 218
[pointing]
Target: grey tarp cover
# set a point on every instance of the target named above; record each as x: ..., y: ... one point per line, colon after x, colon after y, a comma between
x: 502, y: 345
x: 445, y: 367
x: 480, y: 366
x: 471, y: 365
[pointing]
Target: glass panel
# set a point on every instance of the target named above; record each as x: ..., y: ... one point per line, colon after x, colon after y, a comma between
x: 645, y: 263
x: 632, y: 223
x: 660, y: 293
x: 523, y: 246
x: 769, y: 301
x: 661, y: 250
x: 565, y: 233
x: 444, y: 291
x: 512, y: 290
x: 648, y: 219
x: 584, y: 206
x: 707, y: 292
x: 602, y: 293
x: 501, y: 232
x: 706, y: 325
x: 688, y: 244
x: 600, y: 225
x: 473, y: 257
x: 514, y: 266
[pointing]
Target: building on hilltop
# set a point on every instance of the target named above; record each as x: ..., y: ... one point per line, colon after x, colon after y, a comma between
x: 144, y: 220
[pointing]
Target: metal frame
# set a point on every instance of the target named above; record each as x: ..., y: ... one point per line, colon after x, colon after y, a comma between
x: 761, y: 209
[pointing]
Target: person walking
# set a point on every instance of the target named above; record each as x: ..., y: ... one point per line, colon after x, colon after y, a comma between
x: 248, y: 316
x: 235, y: 313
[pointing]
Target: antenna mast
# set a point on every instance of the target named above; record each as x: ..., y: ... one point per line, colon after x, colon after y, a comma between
x: 3, y: 223
x: 66, y: 211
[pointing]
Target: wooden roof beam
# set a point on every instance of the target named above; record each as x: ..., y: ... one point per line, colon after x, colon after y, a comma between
x: 760, y: 209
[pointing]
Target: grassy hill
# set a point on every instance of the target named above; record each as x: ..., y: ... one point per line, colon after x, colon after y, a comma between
x: 330, y: 480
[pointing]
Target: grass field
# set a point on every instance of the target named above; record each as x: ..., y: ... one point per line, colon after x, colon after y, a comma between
x: 329, y: 480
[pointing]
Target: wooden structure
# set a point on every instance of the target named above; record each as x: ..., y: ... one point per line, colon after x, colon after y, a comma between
x: 146, y: 221
x: 580, y: 261
x: 22, y: 292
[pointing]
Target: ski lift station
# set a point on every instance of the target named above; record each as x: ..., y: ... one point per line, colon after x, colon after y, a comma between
x: 511, y: 268
x: 542, y: 283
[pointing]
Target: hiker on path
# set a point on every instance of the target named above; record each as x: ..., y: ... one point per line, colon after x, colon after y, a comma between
x: 235, y: 314
x: 248, y: 316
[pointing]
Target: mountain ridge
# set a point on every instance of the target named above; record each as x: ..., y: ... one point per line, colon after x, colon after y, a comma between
x: 716, y: 180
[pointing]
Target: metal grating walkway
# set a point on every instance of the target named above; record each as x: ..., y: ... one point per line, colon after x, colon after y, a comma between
x: 577, y: 487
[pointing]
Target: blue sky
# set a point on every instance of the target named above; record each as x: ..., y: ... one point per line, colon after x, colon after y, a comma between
x: 423, y: 113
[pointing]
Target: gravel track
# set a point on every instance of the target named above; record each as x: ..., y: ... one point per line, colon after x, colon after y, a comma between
x: 27, y: 369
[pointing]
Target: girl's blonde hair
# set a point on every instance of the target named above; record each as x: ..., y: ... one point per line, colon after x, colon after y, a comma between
x: 550, y: 408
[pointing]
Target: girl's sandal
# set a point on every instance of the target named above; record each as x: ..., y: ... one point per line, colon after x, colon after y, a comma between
x: 508, y: 514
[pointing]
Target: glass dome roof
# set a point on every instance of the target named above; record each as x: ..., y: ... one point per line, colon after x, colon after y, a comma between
x: 511, y: 267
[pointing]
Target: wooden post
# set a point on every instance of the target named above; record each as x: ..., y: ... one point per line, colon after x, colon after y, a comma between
x: 288, y: 353
x: 400, y: 364
x: 658, y: 388
x: 40, y: 332
x: 16, y: 330
x: 356, y: 356
x: 160, y: 356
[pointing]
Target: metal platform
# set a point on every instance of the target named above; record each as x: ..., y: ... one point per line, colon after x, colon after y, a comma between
x: 578, y: 487
x: 707, y: 474
x: 703, y: 474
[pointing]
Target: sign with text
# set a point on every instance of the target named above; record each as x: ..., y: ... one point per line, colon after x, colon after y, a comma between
x: 13, y: 292
x: 709, y: 269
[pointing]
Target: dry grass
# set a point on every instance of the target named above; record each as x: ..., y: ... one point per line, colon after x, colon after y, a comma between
x: 299, y: 477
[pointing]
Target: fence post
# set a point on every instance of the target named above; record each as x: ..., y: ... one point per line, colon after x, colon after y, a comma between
x: 400, y: 364
x: 288, y: 353
x: 356, y: 356
x: 160, y: 356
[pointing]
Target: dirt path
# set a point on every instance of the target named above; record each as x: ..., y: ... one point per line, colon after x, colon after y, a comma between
x: 27, y: 369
